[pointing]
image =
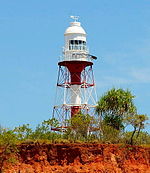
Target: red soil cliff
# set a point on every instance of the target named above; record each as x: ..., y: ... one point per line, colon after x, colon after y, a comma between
x: 79, y: 158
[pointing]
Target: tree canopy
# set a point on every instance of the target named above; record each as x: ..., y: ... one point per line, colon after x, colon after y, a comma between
x: 115, y: 111
x: 114, y: 105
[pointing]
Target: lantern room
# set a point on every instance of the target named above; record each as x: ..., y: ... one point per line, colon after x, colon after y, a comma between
x: 75, y: 46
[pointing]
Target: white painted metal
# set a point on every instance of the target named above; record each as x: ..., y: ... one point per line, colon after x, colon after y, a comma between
x: 75, y: 94
x: 75, y: 18
x: 75, y: 43
x: 75, y: 28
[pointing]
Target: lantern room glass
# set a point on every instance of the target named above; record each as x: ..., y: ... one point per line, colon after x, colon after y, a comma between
x: 77, y: 45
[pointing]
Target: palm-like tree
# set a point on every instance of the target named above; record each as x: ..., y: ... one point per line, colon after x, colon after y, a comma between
x: 114, y: 106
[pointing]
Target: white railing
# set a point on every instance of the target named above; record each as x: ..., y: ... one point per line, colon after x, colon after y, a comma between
x: 71, y: 56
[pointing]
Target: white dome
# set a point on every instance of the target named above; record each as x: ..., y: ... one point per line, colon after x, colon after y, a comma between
x: 75, y: 28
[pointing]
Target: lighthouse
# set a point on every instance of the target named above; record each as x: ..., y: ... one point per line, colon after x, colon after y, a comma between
x: 75, y: 90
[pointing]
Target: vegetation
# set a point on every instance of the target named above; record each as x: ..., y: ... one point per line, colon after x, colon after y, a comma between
x: 138, y: 123
x: 115, y: 111
x: 114, y: 106
x: 8, y: 140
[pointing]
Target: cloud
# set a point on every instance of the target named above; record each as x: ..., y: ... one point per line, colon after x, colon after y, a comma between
x: 140, y: 75
x: 125, y: 77
x: 112, y: 81
x: 125, y: 67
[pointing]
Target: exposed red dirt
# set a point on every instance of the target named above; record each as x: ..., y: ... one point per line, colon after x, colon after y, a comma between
x: 80, y: 158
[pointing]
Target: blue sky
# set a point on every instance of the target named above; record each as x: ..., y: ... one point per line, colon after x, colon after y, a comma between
x: 31, y: 40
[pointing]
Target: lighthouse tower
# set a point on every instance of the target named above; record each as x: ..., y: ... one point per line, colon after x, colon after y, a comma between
x: 75, y: 85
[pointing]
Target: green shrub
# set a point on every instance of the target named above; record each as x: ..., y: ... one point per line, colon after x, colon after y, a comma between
x: 108, y: 134
x: 143, y: 138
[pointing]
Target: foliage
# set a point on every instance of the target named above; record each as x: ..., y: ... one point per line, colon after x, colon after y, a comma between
x: 7, y: 137
x: 115, y: 122
x: 114, y: 105
x: 23, y: 132
x: 80, y: 125
x: 143, y: 138
x: 138, y: 123
x: 8, y: 141
x: 53, y: 122
x: 43, y: 130
x: 108, y: 134
x: 115, y: 111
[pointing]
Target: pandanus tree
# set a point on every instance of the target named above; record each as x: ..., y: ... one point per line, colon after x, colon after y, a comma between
x: 114, y: 106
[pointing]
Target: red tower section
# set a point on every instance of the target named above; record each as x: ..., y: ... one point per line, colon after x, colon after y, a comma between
x: 75, y: 69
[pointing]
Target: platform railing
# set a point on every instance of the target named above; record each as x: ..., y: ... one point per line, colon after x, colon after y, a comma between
x: 75, y: 57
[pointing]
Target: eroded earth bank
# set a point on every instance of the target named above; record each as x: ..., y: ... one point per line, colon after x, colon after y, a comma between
x: 82, y: 158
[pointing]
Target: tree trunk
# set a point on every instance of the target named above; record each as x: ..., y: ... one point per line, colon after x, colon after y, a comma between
x: 131, y: 140
x: 138, y: 132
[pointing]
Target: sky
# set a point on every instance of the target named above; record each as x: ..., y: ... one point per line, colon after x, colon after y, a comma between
x: 31, y: 41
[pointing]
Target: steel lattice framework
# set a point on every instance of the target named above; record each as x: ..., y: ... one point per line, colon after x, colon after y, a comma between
x: 75, y: 84
x: 62, y: 108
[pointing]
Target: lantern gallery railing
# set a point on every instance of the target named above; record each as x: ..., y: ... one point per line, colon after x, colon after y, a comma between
x: 77, y: 57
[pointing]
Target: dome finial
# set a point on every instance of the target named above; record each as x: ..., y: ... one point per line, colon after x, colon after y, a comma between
x: 76, y: 18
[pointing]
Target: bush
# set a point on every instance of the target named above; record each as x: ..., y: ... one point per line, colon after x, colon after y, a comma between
x: 143, y: 138
x: 8, y: 142
x: 108, y: 134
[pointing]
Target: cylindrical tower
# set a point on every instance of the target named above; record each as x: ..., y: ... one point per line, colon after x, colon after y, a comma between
x: 75, y: 77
